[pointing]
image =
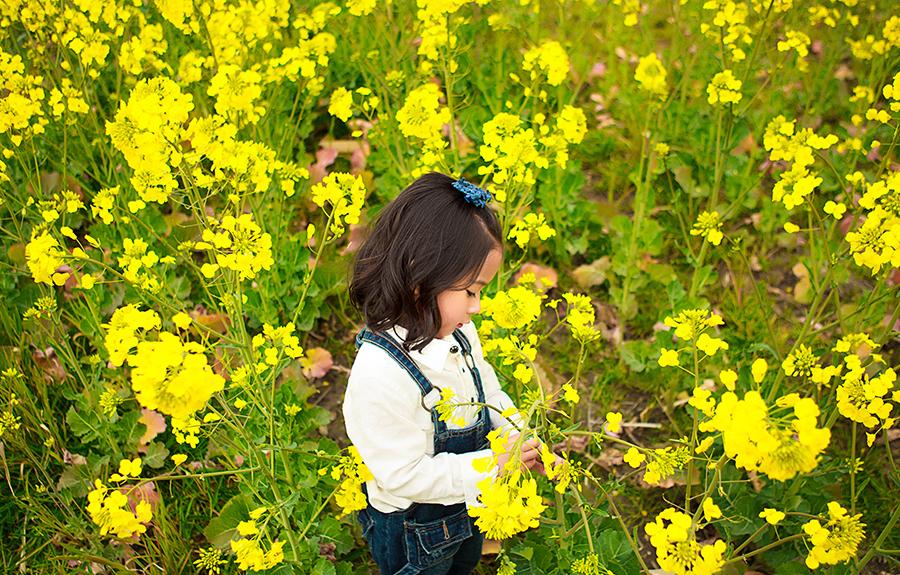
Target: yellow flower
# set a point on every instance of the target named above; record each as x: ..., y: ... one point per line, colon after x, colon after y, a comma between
x: 237, y: 92
x: 172, y: 377
x: 791, y: 228
x: 110, y: 510
x: 709, y: 227
x: 181, y: 320
x: 728, y: 377
x: 711, y: 511
x: 550, y: 60
x: 511, y: 504
x: 514, y: 308
x: 532, y: 224
x: 837, y: 540
x: 130, y: 467
x: 724, y: 88
x: 123, y: 328
x: 341, y: 104
x: 349, y: 495
x: 651, y: 75
x: 570, y: 394
x: 634, y: 458
x: 251, y: 556
x: 43, y: 256
x: 772, y: 516
x: 710, y: 345
x: 613, y: 422
x: 179, y: 458
x: 341, y: 196
x: 758, y: 369
x: 690, y: 323
x: 668, y: 358
x: 677, y: 549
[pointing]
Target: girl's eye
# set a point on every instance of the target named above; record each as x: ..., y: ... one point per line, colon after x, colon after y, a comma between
x: 470, y: 294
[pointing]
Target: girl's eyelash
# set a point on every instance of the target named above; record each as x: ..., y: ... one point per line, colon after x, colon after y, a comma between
x: 470, y: 293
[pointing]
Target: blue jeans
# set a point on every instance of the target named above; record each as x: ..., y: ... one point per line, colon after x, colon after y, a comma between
x: 425, y: 539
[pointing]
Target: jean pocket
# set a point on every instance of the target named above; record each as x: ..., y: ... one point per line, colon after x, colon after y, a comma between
x: 433, y: 541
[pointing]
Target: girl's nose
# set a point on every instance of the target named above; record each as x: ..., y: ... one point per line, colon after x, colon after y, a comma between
x: 475, y: 307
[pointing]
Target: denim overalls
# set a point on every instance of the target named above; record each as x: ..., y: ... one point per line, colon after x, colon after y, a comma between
x: 428, y: 538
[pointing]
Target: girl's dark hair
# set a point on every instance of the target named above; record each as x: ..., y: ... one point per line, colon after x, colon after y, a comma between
x: 428, y: 238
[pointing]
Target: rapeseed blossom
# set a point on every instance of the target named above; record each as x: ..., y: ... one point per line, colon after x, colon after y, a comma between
x: 651, y: 75
x: 549, y: 60
x: 510, y: 152
x: 341, y: 196
x: 44, y: 256
x: 514, y: 308
x: 531, y: 224
x: 709, y: 227
x: 236, y: 92
x: 341, y: 104
x: 251, y: 556
x: 690, y: 323
x: 580, y: 317
x: 238, y: 244
x: 111, y: 511
x: 677, y: 550
x: 172, y: 377
x: 724, y: 88
x: 352, y: 473
x: 768, y: 440
x: 837, y: 540
x: 511, y: 504
x: 796, y: 147
x: 123, y: 328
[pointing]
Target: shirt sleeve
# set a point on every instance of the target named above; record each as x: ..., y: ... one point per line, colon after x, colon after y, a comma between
x: 493, y: 393
x: 378, y: 419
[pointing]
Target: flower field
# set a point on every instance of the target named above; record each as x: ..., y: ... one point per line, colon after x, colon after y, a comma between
x: 697, y: 308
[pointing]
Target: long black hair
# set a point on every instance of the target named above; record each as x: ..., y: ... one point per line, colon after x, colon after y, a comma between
x: 427, y: 240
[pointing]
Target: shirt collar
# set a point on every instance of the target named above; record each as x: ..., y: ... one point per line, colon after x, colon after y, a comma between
x: 434, y: 355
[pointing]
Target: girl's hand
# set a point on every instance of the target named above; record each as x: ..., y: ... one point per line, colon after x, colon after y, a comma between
x: 529, y: 454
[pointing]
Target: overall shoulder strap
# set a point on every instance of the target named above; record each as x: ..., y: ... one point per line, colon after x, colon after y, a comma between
x: 430, y: 393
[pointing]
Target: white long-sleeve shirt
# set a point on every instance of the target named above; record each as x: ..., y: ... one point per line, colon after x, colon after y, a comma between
x: 394, y: 434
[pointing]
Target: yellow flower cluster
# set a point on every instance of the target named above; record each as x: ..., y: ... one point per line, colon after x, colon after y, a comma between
x: 547, y: 61
x: 251, y: 556
x: 514, y: 308
x: 724, y: 88
x: 137, y: 262
x: 510, y: 150
x: 709, y: 227
x: 237, y: 92
x: 801, y: 362
x: 798, y: 41
x: 21, y: 114
x: 764, y: 440
x: 352, y: 473
x: 341, y: 196
x: 123, y: 328
x: 513, y: 351
x: 237, y: 244
x: 532, y: 224
x: 662, y: 463
x: 511, y: 505
x: 837, y: 540
x: 145, y: 130
x: 44, y: 256
x: 651, y: 75
x: 580, y: 317
x: 272, y: 342
x: 110, y: 510
x: 862, y: 397
x: 173, y: 377
x: 433, y: 16
x: 729, y: 26
x: 784, y: 144
x: 690, y: 323
x: 876, y: 243
x: 677, y: 550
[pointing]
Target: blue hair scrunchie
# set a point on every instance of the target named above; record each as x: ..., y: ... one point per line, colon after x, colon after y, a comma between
x: 473, y: 194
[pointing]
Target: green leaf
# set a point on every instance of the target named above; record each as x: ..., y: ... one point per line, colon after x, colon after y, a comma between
x: 83, y: 425
x: 156, y: 455
x: 222, y: 528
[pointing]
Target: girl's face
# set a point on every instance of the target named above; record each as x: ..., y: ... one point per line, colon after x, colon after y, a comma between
x: 458, y: 305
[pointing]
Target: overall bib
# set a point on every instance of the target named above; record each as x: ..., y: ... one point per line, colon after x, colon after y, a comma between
x: 428, y: 538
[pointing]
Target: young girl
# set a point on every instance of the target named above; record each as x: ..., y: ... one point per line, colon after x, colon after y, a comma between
x: 417, y: 281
